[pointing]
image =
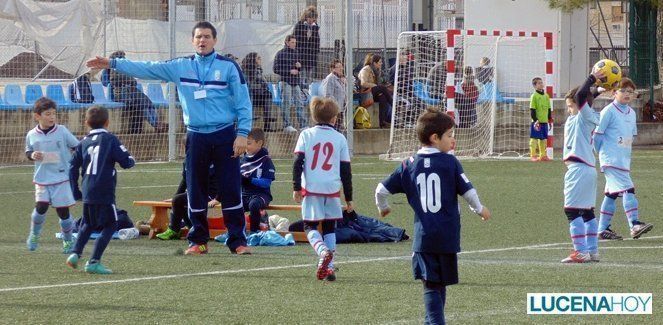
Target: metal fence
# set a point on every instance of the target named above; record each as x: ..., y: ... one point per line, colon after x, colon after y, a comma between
x: 38, y: 56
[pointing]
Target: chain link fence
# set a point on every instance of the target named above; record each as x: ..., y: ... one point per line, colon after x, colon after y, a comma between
x: 44, y: 46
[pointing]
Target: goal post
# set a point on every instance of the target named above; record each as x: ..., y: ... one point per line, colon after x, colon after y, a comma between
x: 481, y: 78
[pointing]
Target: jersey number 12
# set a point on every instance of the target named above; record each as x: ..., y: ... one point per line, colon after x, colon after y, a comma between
x: 430, y: 192
x: 327, y: 151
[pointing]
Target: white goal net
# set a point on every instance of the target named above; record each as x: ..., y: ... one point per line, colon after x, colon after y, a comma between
x: 483, y: 79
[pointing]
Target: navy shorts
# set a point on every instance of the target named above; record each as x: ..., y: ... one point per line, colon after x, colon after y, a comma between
x: 99, y: 216
x: 439, y: 268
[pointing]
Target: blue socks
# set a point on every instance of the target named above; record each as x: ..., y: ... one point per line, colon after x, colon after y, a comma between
x: 67, y: 227
x: 102, y: 242
x: 607, y: 211
x: 591, y: 229
x: 631, y: 208
x: 434, y: 299
x: 37, y: 221
x: 578, y: 234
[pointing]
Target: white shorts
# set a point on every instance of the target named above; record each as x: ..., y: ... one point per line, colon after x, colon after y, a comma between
x: 57, y: 195
x: 579, y: 186
x: 617, y: 181
x: 316, y: 208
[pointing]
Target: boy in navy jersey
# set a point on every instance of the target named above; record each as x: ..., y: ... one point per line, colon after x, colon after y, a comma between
x: 95, y: 160
x: 258, y: 172
x: 49, y: 145
x: 432, y: 181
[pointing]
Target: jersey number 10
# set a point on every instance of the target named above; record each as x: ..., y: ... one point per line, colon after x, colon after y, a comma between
x: 430, y: 192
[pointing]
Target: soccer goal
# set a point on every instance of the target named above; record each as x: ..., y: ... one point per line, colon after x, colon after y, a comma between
x: 483, y: 79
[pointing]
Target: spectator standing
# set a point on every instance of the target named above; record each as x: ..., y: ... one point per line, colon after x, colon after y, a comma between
x: 485, y: 72
x: 258, y: 88
x: 287, y: 64
x: 437, y: 80
x: 467, y: 94
x: 307, y: 33
x: 334, y: 86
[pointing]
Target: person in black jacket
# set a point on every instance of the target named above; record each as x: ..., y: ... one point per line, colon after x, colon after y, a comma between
x: 136, y: 104
x: 287, y: 64
x: 258, y: 89
x: 307, y: 33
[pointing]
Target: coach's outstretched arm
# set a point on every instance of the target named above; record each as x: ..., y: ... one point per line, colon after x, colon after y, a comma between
x: 161, y: 70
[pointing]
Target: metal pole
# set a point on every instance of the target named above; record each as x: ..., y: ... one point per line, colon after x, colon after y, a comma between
x: 49, y: 63
x: 384, y: 40
x: 172, y: 118
x: 349, y: 109
x: 410, y: 15
x: 103, y: 22
x: 612, y: 45
x: 653, y: 67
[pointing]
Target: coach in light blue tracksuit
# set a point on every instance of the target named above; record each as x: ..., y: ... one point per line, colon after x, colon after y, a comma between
x: 214, y: 97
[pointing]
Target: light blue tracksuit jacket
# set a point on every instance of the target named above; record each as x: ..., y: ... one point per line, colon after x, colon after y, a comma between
x: 227, y: 97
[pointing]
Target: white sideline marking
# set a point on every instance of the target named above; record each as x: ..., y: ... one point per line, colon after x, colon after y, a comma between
x: 272, y: 268
x: 119, y: 188
x: 603, y: 247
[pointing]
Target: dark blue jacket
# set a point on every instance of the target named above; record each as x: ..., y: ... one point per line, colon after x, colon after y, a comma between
x: 284, y: 62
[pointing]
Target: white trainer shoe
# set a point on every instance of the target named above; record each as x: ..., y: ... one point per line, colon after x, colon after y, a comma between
x: 577, y: 257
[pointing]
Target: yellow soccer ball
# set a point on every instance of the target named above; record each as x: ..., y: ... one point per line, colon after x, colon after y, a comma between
x: 612, y: 72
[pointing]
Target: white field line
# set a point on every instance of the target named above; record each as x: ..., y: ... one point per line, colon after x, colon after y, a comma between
x: 603, y: 247
x: 273, y: 268
x: 160, y: 277
x: 173, y: 186
x: 557, y: 264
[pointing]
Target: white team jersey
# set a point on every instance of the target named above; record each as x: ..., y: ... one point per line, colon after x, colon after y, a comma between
x: 324, y: 148
x: 618, y: 125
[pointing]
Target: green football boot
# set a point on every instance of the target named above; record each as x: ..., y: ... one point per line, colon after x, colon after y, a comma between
x: 32, y: 242
x: 97, y: 268
x: 67, y: 246
x: 169, y: 234
x: 72, y: 261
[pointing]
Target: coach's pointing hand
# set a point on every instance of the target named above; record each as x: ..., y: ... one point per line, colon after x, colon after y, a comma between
x: 98, y: 62
x: 239, y: 147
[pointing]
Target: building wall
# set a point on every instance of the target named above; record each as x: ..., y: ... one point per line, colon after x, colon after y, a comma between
x: 569, y: 31
x: 616, y: 20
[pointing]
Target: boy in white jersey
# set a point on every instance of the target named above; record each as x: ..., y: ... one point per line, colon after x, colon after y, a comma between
x: 322, y: 165
x: 580, y: 177
x: 49, y: 146
x: 613, y: 140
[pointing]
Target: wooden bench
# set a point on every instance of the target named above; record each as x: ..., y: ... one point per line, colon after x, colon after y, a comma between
x: 159, y: 219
